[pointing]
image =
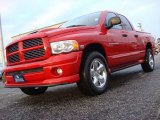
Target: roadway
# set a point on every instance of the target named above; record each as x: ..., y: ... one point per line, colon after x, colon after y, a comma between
x: 132, y: 94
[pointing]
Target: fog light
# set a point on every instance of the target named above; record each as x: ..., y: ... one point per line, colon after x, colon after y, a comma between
x: 59, y: 71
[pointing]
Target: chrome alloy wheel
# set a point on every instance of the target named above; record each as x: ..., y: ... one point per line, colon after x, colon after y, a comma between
x: 98, y: 73
x: 151, y: 60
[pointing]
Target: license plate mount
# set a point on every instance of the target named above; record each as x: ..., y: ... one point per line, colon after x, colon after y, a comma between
x: 18, y: 78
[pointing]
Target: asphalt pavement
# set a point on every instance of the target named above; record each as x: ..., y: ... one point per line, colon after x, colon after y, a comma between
x: 132, y: 95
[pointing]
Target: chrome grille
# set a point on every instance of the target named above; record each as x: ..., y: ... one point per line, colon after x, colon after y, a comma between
x: 32, y: 54
x: 12, y: 48
x: 14, y: 58
x: 32, y: 43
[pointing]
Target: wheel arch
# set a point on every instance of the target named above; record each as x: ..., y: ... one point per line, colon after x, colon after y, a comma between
x: 93, y: 47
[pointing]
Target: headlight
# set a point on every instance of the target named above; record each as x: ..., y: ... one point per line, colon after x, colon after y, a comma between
x: 64, y: 46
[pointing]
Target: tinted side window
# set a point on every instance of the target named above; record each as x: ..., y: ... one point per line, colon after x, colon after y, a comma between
x: 109, y: 16
x: 126, y: 23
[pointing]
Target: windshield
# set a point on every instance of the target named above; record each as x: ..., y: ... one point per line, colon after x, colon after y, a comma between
x: 86, y: 20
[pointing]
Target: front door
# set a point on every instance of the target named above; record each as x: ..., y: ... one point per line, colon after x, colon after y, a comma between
x: 118, y: 45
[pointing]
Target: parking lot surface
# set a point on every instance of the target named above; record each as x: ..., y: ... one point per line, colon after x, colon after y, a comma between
x: 132, y: 95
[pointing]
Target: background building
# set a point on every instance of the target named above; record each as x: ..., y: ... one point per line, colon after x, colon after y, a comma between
x: 23, y: 34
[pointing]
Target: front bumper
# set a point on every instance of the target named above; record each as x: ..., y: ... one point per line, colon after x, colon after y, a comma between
x: 69, y: 63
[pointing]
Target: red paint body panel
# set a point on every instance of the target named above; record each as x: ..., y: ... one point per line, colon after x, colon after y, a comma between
x: 119, y: 52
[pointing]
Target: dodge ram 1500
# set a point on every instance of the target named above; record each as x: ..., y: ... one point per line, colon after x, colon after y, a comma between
x: 84, y: 50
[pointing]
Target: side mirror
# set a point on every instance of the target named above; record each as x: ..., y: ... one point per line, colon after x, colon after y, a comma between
x: 113, y: 21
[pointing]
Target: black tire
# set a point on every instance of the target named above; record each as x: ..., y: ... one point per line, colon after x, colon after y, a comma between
x: 86, y: 83
x: 34, y: 90
x: 147, y: 66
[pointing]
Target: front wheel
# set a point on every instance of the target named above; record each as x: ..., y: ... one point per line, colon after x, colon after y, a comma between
x: 33, y: 90
x: 149, y: 63
x: 94, y: 74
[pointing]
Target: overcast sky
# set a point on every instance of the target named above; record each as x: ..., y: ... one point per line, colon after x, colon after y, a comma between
x: 19, y: 16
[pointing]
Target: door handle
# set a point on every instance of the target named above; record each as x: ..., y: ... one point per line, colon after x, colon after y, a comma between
x: 124, y: 35
x: 136, y: 36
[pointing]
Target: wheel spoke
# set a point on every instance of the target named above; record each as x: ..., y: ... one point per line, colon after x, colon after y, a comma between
x: 92, y: 72
x: 101, y: 68
x: 95, y: 65
x: 95, y: 81
x: 151, y: 63
x: 101, y: 79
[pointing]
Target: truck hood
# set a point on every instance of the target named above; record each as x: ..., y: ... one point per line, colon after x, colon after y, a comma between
x: 55, y: 32
x: 71, y: 30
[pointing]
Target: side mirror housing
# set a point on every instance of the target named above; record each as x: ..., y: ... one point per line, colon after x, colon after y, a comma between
x: 113, y: 21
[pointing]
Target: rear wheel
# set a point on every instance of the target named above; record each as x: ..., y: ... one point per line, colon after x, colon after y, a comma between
x: 149, y: 63
x: 33, y: 90
x: 94, y: 74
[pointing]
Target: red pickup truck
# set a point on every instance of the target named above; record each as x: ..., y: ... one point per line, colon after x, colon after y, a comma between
x: 84, y: 50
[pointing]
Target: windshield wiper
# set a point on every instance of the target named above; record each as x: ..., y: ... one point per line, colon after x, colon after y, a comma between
x: 75, y: 26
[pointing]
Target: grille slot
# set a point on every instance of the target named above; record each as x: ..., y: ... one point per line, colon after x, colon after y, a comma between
x: 34, y: 70
x: 30, y: 49
x: 34, y: 54
x: 13, y: 48
x: 32, y: 43
x: 14, y: 58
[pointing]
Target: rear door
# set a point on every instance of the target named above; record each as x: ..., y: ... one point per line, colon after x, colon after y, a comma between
x: 133, y: 38
x: 118, y: 44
